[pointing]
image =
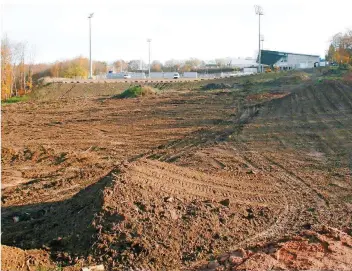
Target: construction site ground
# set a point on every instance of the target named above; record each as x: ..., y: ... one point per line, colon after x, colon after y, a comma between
x: 227, y: 174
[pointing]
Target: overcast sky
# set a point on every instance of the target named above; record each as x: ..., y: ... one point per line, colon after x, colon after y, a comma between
x: 179, y: 29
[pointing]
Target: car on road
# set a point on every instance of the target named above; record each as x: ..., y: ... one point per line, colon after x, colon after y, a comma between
x: 127, y: 76
x: 176, y: 75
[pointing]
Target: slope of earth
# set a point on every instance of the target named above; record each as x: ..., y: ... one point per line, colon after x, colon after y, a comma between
x: 198, y: 174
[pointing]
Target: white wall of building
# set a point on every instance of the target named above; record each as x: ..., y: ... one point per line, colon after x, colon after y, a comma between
x: 296, y: 61
x: 190, y: 75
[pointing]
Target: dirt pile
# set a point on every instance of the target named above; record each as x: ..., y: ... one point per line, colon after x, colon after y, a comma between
x: 13, y: 258
x: 159, y: 216
x: 327, y: 249
x: 64, y: 229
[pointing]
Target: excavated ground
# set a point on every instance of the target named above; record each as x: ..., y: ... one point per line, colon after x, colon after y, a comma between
x: 164, y: 183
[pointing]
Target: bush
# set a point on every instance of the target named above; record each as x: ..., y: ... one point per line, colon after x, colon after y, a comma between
x: 346, y: 66
x: 136, y: 91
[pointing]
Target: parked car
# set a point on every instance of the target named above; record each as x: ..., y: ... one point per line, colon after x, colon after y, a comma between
x: 176, y: 75
x: 127, y: 76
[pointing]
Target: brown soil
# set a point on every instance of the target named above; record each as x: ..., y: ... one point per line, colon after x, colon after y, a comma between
x: 168, y: 181
x: 325, y: 249
x: 13, y: 258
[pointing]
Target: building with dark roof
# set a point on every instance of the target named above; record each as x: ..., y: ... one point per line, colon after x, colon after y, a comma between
x: 288, y: 61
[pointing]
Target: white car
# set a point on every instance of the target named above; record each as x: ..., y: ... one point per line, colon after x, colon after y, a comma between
x: 176, y: 75
x: 127, y: 76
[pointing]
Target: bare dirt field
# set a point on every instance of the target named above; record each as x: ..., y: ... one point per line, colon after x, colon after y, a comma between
x: 243, y: 174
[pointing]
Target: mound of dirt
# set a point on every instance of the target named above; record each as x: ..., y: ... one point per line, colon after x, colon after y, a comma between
x: 158, y: 216
x: 136, y: 91
x: 212, y: 86
x: 63, y: 228
x: 327, y: 249
x: 13, y: 258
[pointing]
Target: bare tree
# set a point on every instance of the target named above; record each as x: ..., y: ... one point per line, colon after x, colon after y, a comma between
x: 135, y: 65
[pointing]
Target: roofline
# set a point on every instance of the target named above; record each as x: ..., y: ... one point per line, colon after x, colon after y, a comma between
x: 290, y: 53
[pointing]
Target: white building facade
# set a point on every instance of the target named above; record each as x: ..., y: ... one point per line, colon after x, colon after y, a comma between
x: 289, y: 61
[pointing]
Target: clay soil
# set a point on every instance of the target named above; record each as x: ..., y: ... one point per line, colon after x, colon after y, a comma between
x: 225, y: 179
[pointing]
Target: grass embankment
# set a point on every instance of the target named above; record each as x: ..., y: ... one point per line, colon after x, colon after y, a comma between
x: 16, y: 99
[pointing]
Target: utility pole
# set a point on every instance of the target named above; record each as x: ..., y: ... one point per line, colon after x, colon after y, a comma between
x: 259, y: 12
x: 90, y: 46
x: 149, y: 41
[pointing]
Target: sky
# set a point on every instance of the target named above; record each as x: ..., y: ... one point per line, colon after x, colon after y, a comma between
x: 181, y: 29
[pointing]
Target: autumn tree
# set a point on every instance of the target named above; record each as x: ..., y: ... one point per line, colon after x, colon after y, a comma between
x: 156, y: 66
x: 55, y: 69
x: 75, y: 70
x: 194, y: 63
x: 6, y: 69
x: 185, y: 68
x: 172, y: 65
x: 340, y: 49
x: 100, y: 67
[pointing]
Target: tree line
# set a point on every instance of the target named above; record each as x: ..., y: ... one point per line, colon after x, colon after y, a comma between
x: 16, y: 68
x: 172, y: 65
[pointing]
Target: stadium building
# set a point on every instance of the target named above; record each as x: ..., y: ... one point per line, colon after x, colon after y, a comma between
x: 288, y: 61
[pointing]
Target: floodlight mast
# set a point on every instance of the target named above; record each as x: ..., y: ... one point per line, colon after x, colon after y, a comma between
x: 90, y: 46
x: 149, y: 41
x: 259, y: 12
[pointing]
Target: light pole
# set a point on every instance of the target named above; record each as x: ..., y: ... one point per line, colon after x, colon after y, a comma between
x: 149, y: 41
x: 90, y: 46
x: 262, y: 40
x: 259, y: 12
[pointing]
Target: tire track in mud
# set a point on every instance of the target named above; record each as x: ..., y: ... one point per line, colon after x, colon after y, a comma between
x: 190, y: 183
x: 288, y: 220
x: 298, y: 194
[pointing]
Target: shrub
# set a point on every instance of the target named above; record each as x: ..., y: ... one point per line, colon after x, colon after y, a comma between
x: 346, y: 66
x: 136, y: 91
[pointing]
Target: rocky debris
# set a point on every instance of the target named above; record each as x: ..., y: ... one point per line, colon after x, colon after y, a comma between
x: 249, y: 213
x: 324, y: 249
x: 168, y: 199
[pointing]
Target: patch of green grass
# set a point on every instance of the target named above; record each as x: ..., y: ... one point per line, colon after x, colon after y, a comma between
x: 135, y: 91
x: 15, y: 99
